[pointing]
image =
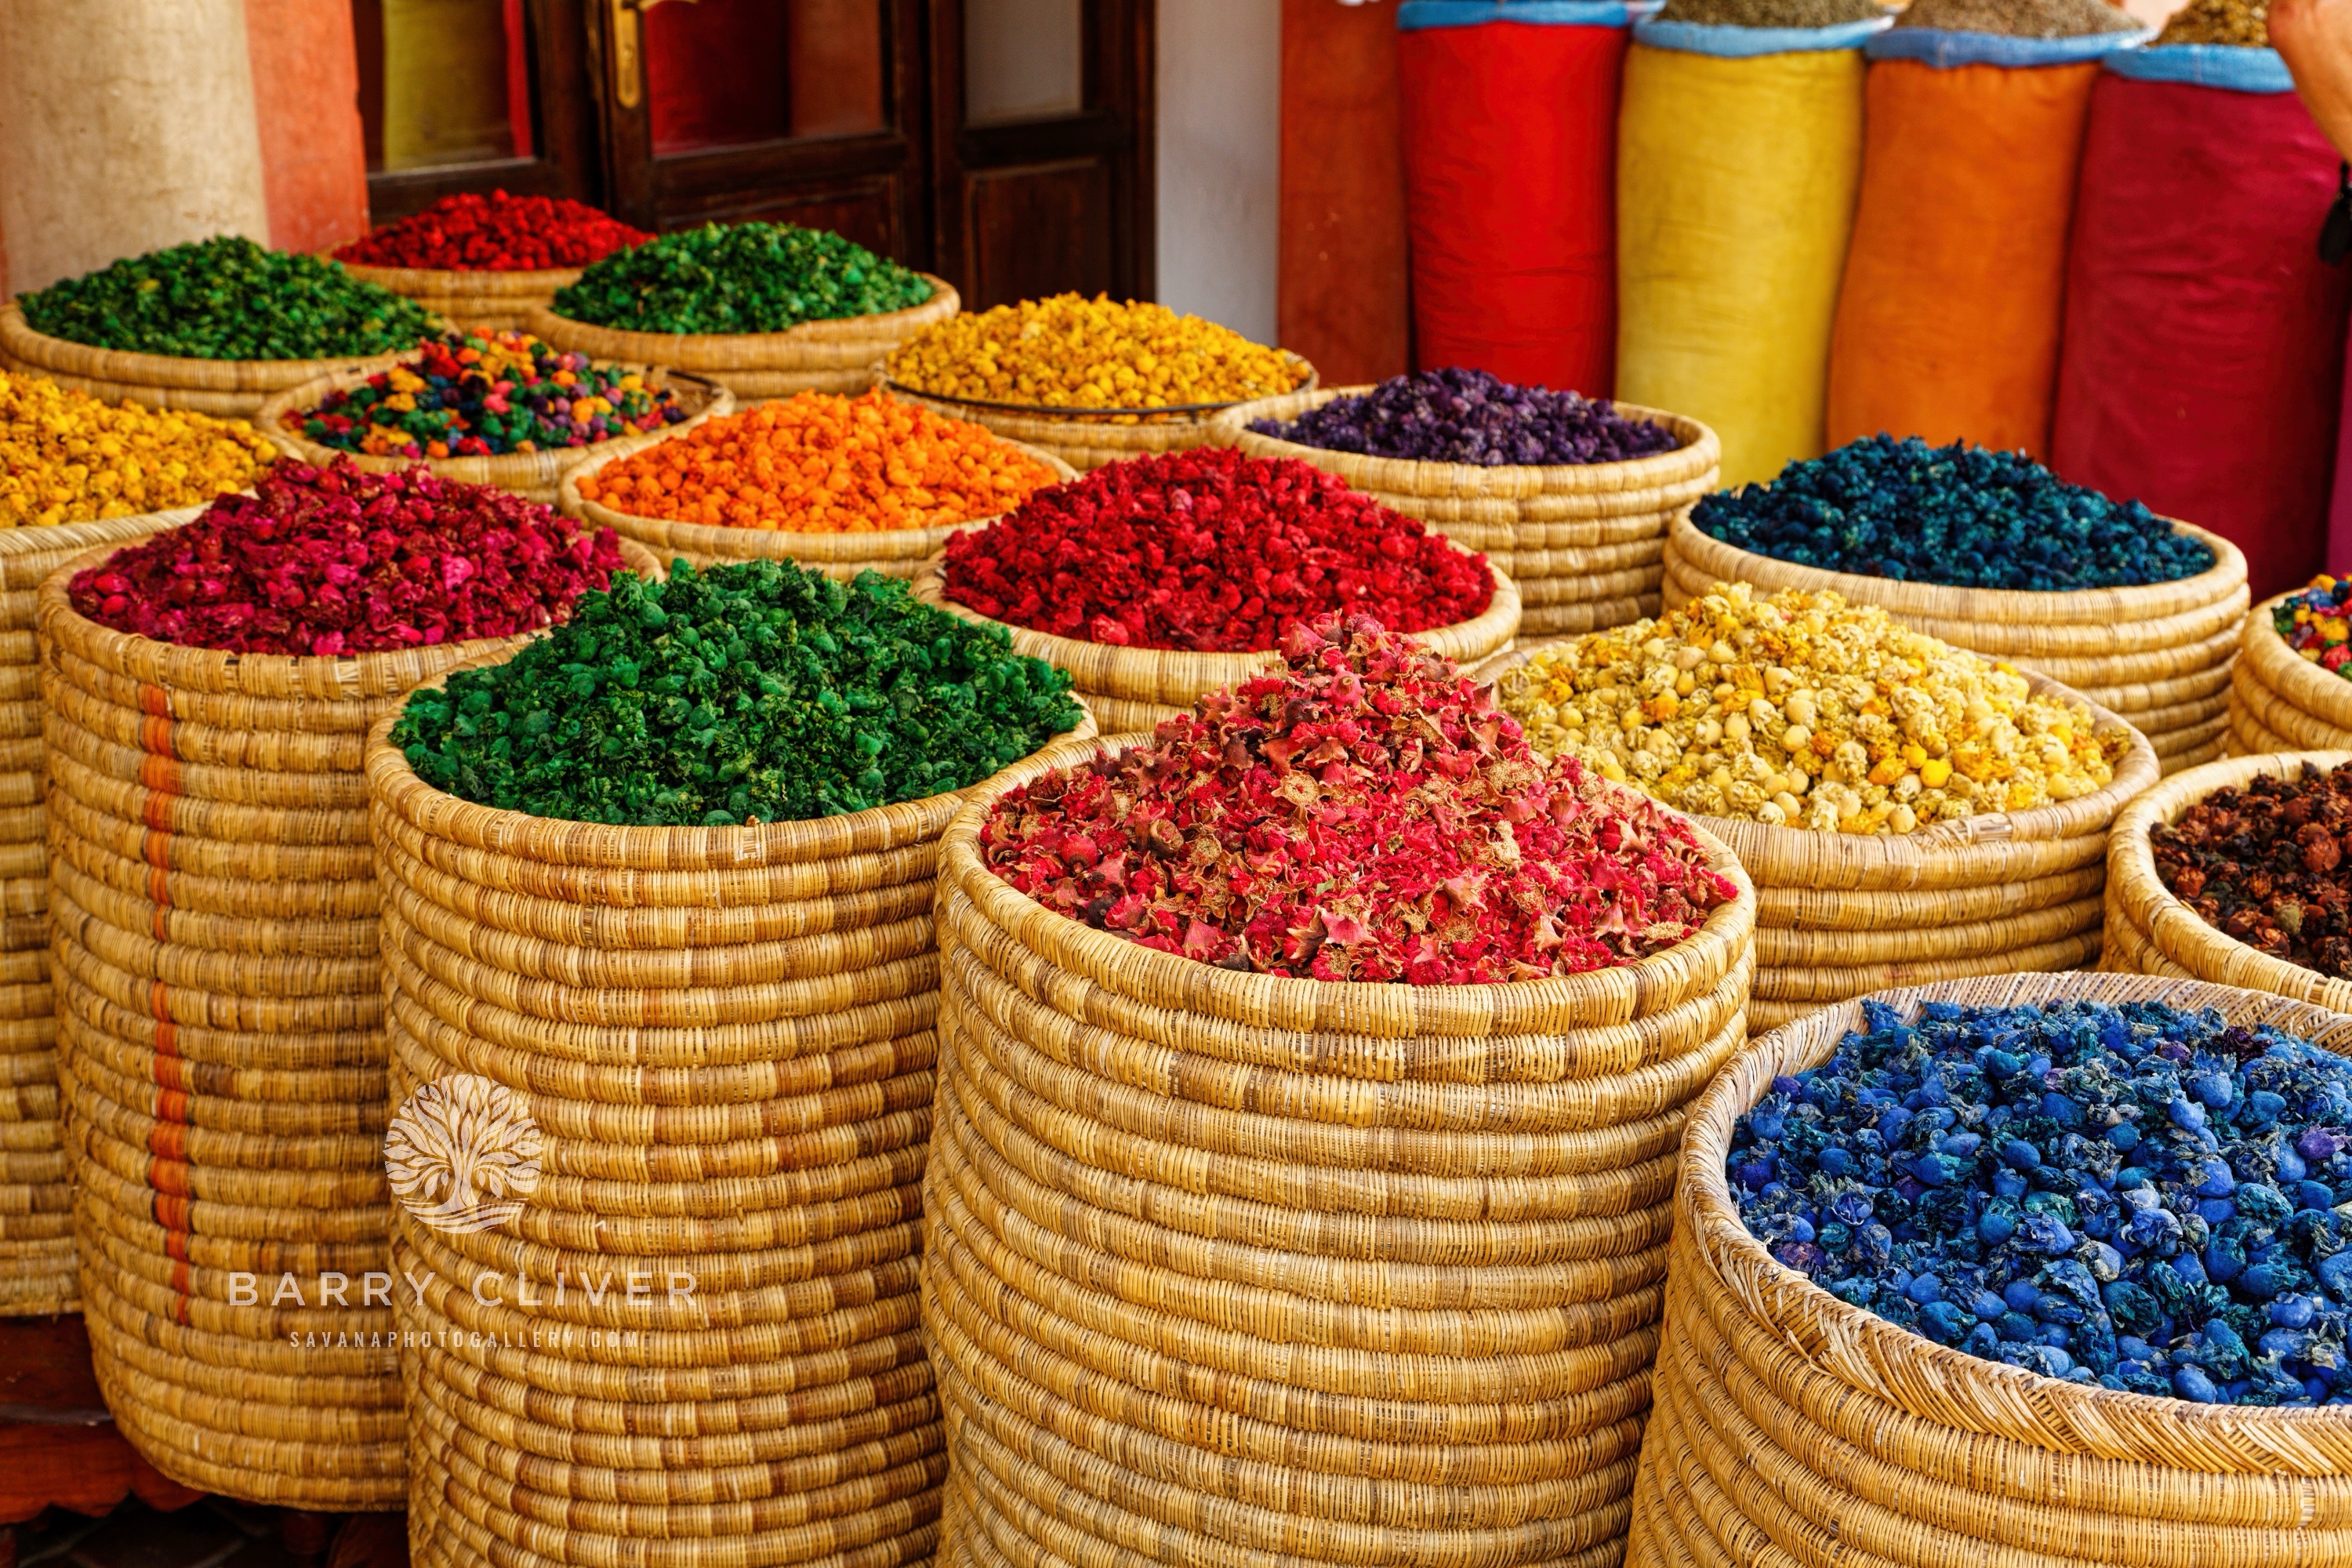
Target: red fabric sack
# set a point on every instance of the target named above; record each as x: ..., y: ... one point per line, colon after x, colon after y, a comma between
x: 2203, y: 357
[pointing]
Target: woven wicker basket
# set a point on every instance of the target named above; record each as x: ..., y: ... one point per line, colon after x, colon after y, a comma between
x: 1229, y: 1264
x: 37, y: 1249
x: 1088, y: 443
x: 1584, y: 542
x: 894, y: 553
x: 235, y: 389
x: 221, y: 1057
x: 1789, y: 1428
x: 2280, y: 701
x: 1840, y: 915
x: 535, y: 475
x: 473, y: 299
x: 2158, y: 654
x: 1135, y: 688
x: 817, y: 356
x: 725, y: 1039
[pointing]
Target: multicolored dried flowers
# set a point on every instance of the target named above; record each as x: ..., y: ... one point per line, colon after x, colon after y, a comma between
x: 2270, y: 864
x: 1801, y: 709
x: 818, y: 463
x: 1210, y: 551
x: 1070, y: 351
x: 2317, y: 622
x: 736, y: 279
x: 470, y: 232
x: 1361, y: 813
x: 1472, y: 416
x: 2146, y: 1198
x: 335, y: 560
x: 756, y: 692
x: 66, y: 457
x: 486, y: 394
x: 1958, y: 515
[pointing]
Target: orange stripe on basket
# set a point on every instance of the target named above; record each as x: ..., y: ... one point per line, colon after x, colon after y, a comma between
x: 155, y: 811
x: 166, y: 1071
x: 167, y: 1033
x: 162, y: 920
x: 154, y: 701
x: 160, y: 773
x: 168, y: 1175
x: 155, y: 735
x: 171, y: 1105
x: 168, y: 1142
x: 175, y: 1245
x: 155, y: 847
x: 171, y: 1210
x: 179, y: 1272
x: 159, y: 999
x: 159, y: 884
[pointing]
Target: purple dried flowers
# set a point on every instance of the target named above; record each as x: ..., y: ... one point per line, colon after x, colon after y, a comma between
x: 1458, y: 415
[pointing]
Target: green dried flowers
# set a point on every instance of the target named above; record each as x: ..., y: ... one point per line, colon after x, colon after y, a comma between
x: 738, y: 279
x: 755, y: 692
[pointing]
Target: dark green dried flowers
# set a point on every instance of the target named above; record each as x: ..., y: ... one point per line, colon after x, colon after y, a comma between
x: 743, y: 278
x: 756, y: 692
x: 227, y: 298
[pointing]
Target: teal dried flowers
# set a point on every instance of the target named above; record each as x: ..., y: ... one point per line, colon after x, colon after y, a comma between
x: 1958, y: 516
x: 738, y: 278
x: 228, y: 298
x: 757, y: 692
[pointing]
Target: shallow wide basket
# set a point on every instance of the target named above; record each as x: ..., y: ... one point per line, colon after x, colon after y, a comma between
x: 2151, y: 930
x: 815, y: 356
x: 1226, y: 1266
x: 1088, y: 443
x: 898, y: 552
x: 2281, y: 702
x: 1789, y: 1428
x: 2159, y: 654
x: 219, y: 1009
x: 1584, y: 542
x: 233, y: 389
x: 470, y: 299
x: 1842, y: 914
x: 37, y: 1249
x: 725, y: 1040
x: 537, y: 476
x: 1135, y: 688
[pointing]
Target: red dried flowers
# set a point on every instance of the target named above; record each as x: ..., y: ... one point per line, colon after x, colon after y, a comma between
x: 2271, y: 866
x: 1212, y: 552
x: 336, y: 560
x: 1363, y: 813
x: 498, y: 233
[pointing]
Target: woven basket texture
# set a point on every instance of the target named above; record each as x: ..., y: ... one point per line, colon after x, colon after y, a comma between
x: 37, y: 1249
x: 1841, y: 915
x: 2280, y: 701
x: 475, y: 299
x: 535, y: 475
x: 1289, y: 1271
x: 1164, y: 681
x: 221, y: 1053
x: 1789, y: 1428
x: 1089, y: 443
x: 233, y: 389
x: 841, y: 355
x: 726, y: 1040
x: 893, y: 552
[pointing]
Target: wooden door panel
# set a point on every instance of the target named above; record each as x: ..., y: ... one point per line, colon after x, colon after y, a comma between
x: 1038, y: 230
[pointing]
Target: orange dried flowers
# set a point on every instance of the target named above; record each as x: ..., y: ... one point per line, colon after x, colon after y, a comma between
x: 820, y: 463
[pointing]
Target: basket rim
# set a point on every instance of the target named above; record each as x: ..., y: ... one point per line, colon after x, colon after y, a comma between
x: 2022, y: 1405
x: 668, y: 348
x: 41, y: 351
x: 517, y: 279
x: 2326, y: 698
x: 92, y: 533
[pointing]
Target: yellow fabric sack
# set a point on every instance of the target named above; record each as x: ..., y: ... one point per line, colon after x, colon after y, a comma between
x: 1736, y: 182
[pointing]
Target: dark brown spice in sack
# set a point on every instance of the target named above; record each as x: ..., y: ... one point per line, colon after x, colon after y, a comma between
x: 2271, y: 866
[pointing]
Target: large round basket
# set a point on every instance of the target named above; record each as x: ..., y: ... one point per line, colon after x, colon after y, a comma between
x: 1841, y: 914
x: 721, y: 1043
x: 2150, y: 931
x: 894, y: 552
x: 2159, y: 654
x: 36, y: 1247
x: 537, y: 475
x: 1226, y: 1266
x: 1086, y: 443
x: 1584, y: 542
x: 1135, y: 688
x: 470, y: 299
x: 1789, y: 1428
x: 232, y: 389
x: 815, y: 356
x: 221, y: 1055
x: 2281, y: 702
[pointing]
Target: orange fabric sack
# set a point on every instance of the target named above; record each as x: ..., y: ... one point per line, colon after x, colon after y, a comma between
x: 1948, y: 321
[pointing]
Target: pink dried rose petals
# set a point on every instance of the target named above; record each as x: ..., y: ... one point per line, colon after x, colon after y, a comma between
x: 1363, y: 813
x: 337, y: 561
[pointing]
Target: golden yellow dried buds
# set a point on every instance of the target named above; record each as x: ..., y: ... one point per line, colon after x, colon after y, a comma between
x: 1070, y: 351
x: 1801, y: 709
x: 69, y: 458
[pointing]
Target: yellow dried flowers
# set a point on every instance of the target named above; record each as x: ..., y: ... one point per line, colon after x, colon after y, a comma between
x: 66, y: 457
x: 1070, y: 351
x: 1801, y: 709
